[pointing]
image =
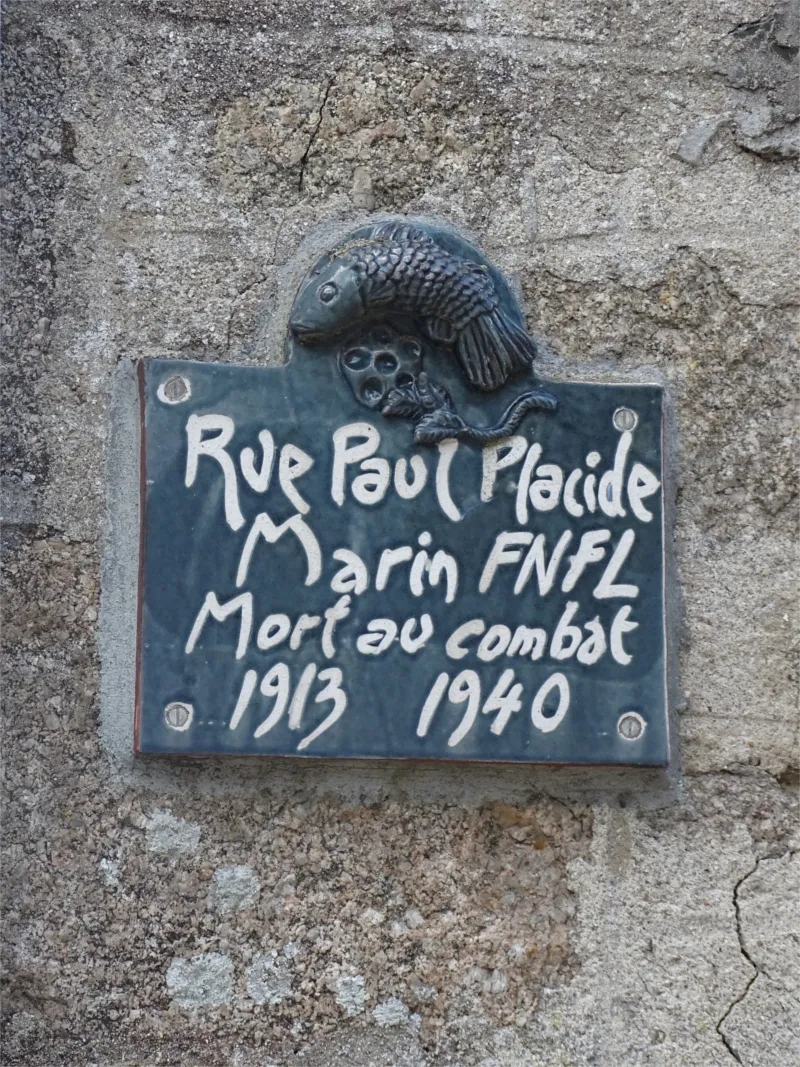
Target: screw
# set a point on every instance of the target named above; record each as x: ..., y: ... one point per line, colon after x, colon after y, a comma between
x: 174, y: 390
x: 631, y: 726
x: 625, y: 419
x: 178, y: 716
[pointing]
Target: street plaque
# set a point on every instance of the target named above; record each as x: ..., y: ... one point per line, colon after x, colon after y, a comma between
x: 399, y: 544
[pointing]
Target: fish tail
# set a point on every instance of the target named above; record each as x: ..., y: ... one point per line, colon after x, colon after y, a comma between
x: 492, y: 348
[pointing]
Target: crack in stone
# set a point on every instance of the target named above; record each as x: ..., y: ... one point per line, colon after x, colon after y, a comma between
x: 314, y: 132
x: 747, y: 956
x: 41, y: 531
x: 578, y: 158
x: 756, y: 26
x: 261, y: 278
x: 562, y: 803
x: 756, y: 969
x: 745, y: 770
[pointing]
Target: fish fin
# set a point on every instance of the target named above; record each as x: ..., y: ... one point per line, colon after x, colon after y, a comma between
x: 492, y: 348
x: 402, y: 232
x: 440, y: 330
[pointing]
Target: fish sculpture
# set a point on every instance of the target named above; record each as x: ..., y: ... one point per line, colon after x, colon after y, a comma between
x: 399, y: 267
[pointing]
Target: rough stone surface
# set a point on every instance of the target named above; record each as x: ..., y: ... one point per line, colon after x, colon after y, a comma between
x: 233, y: 888
x: 392, y: 1012
x: 269, y: 979
x: 632, y: 168
x: 165, y: 833
x: 202, y: 981
x: 350, y: 993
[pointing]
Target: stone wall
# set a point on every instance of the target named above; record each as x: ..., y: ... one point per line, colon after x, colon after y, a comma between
x: 631, y: 166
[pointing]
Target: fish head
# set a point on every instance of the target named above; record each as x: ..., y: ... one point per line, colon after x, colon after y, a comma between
x: 328, y: 301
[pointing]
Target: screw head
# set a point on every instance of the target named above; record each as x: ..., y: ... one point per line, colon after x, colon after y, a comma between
x: 174, y: 390
x: 631, y: 726
x: 625, y: 419
x: 178, y: 716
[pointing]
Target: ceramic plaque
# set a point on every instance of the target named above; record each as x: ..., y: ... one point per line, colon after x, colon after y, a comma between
x: 401, y: 543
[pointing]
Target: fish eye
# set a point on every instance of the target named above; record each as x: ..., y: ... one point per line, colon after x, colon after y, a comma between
x: 327, y: 292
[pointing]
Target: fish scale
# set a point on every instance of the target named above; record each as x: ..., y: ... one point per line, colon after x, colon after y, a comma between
x: 427, y: 280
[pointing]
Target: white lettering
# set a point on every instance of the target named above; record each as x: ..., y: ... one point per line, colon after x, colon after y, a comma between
x: 263, y: 526
x: 245, y: 693
x: 380, y: 634
x: 494, y: 643
x: 444, y: 564
x: 293, y: 464
x: 546, y: 490
x: 408, y: 490
x: 589, y: 494
x: 390, y: 557
x: 605, y: 588
x: 473, y: 628
x: 641, y: 484
x: 447, y: 449
x: 412, y: 644
x: 502, y: 553
x: 303, y: 624
x: 565, y: 632
x: 465, y: 687
x: 332, y: 691
x: 339, y: 611
x: 548, y: 723
x: 545, y: 573
x: 275, y: 683
x: 420, y: 565
x: 353, y: 577
x: 344, y: 455
x: 273, y: 630
x: 571, y: 505
x: 214, y: 447
x: 496, y: 458
x: 298, y: 702
x: 621, y: 626
x: 432, y: 702
x: 528, y: 640
x: 258, y: 480
x: 594, y: 645
x: 211, y: 606
x: 532, y: 458
x: 370, y: 488
x: 504, y: 699
x: 609, y: 492
x: 590, y: 550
